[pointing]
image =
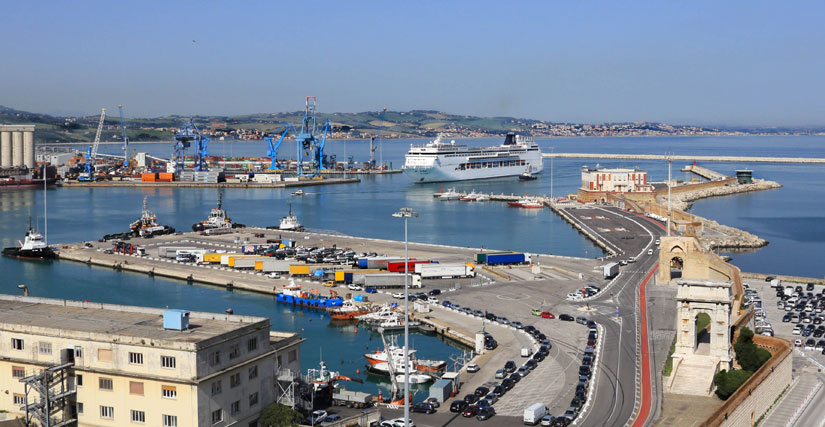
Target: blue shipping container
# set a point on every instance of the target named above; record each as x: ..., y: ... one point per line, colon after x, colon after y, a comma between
x: 493, y: 259
x: 441, y: 390
x: 362, y: 263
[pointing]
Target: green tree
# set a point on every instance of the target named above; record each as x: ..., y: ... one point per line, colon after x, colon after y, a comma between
x: 727, y: 382
x: 277, y: 415
x: 748, y: 354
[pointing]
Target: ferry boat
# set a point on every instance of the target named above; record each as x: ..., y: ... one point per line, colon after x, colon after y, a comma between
x: 292, y: 294
x: 32, y: 247
x: 147, y: 226
x: 217, y: 219
x: 439, y: 161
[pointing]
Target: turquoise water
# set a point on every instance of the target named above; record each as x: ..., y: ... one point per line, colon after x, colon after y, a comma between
x: 791, y: 218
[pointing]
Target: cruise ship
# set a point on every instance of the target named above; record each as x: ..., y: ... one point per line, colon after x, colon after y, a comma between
x: 440, y: 161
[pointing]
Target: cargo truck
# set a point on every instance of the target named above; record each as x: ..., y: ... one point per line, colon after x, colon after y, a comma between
x: 610, y: 270
x: 212, y: 258
x: 390, y: 280
x: 398, y: 266
x: 377, y: 262
x: 247, y: 263
x: 508, y: 258
x: 171, y: 251
x: 431, y: 271
x: 273, y: 265
x: 352, y: 399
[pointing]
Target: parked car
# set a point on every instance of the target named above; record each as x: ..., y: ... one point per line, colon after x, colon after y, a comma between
x: 471, y: 398
x: 566, y: 317
x: 473, y: 368
x: 458, y: 405
x: 481, y: 391
x: 470, y: 411
x: 423, y: 408
x: 370, y: 290
x: 485, y: 413
x: 547, y: 315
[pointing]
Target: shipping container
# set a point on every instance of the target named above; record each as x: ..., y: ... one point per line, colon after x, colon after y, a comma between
x: 432, y: 271
x: 390, y: 280
x: 299, y: 270
x: 172, y: 251
x: 247, y: 263
x: 148, y: 177
x: 212, y: 258
x: 511, y: 258
x: 273, y: 266
x: 378, y: 261
x: 348, y: 276
x: 226, y: 259
x: 166, y: 176
x: 610, y: 270
x: 441, y: 390
x: 398, y: 267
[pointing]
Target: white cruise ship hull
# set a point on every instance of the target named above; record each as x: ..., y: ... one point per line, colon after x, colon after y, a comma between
x: 424, y: 174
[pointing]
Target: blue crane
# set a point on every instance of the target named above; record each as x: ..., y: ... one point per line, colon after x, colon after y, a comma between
x: 272, y: 151
x: 308, y: 143
x: 188, y: 134
x: 91, y: 153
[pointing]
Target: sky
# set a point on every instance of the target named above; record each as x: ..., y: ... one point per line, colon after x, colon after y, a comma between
x: 736, y: 63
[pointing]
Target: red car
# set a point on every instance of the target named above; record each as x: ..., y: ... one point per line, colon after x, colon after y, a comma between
x: 548, y: 315
x: 471, y: 411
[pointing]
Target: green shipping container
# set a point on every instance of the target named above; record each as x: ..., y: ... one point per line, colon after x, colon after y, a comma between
x: 481, y: 258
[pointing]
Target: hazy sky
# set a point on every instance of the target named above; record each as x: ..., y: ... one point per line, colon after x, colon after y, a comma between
x: 749, y: 62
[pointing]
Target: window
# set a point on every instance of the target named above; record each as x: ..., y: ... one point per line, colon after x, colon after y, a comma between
x: 78, y: 351
x: 214, y: 358
x: 235, y: 407
x: 17, y: 343
x: 170, y: 421
x: 19, y: 399
x: 105, y: 383
x: 169, y: 392
x: 136, y: 358
x: 136, y: 387
x: 253, y: 399
x: 279, y: 362
x: 104, y: 355
x: 234, y: 351
x: 18, y: 371
x: 167, y: 362
x: 235, y: 380
x: 80, y: 380
x: 44, y: 347
x: 293, y: 356
x: 216, y: 387
x: 217, y: 416
x: 253, y: 372
x: 79, y: 407
x: 107, y: 412
x: 252, y: 344
x: 138, y: 416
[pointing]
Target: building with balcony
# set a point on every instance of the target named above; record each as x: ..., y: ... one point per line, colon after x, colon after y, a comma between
x: 114, y: 365
x: 598, y: 182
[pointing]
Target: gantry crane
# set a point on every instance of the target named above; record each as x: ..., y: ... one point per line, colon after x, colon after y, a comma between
x: 91, y: 153
x: 272, y: 151
x: 190, y: 133
x: 308, y: 142
x: 126, y: 157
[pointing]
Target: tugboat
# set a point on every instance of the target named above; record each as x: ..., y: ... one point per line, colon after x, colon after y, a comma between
x: 288, y: 223
x: 32, y: 247
x: 527, y: 176
x: 147, y: 226
x: 217, y: 219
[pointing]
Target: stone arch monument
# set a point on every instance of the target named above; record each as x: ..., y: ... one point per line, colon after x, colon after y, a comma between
x: 695, y: 363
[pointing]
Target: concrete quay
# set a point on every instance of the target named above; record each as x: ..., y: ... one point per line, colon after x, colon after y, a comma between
x: 735, y: 159
x: 188, y: 184
x: 704, y: 172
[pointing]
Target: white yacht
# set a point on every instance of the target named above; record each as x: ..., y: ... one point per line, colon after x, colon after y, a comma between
x: 450, y: 194
x: 442, y: 161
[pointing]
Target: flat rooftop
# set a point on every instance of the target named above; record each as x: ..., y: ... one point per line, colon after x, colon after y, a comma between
x: 110, y: 322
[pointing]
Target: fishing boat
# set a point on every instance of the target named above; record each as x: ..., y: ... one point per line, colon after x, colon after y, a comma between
x: 348, y: 311
x: 415, y: 378
x: 383, y: 313
x: 292, y: 294
x: 450, y: 194
x: 32, y: 247
x: 471, y: 197
x: 395, y: 324
x: 147, y: 225
x: 217, y: 219
x: 526, y: 203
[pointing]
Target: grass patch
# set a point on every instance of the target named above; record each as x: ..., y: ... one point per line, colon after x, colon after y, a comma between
x: 668, y: 369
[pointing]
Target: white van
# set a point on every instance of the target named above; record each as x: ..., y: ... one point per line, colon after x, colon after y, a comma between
x: 526, y: 352
x: 534, y: 413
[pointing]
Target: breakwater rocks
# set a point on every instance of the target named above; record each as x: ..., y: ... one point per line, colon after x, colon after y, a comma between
x: 682, y: 201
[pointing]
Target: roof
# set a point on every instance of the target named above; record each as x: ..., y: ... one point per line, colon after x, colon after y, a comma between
x: 124, y: 324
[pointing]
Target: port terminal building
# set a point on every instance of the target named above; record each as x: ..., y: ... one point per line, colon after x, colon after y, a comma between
x: 87, y: 363
x: 598, y: 182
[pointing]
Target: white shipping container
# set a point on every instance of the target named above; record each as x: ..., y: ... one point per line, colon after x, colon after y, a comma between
x: 429, y: 271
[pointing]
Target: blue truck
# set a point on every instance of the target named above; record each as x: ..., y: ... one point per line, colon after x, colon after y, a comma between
x: 507, y: 258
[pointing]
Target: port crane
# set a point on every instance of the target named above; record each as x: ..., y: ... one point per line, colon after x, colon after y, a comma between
x: 308, y: 142
x: 372, y: 164
x: 91, y: 153
x: 188, y: 134
x: 125, y: 139
x: 272, y: 151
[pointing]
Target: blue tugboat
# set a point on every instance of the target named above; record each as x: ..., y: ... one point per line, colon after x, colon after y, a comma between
x: 293, y: 294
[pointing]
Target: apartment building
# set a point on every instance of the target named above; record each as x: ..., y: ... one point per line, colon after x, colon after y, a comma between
x: 116, y: 365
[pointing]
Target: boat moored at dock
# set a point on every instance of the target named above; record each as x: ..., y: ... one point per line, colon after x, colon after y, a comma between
x: 217, y: 219
x: 32, y: 247
x: 292, y: 294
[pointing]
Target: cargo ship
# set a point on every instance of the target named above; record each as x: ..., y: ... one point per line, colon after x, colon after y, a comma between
x: 292, y: 294
x: 20, y: 178
x: 32, y: 247
x: 147, y: 226
x: 217, y: 219
x: 439, y: 161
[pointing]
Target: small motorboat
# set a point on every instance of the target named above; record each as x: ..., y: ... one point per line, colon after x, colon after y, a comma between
x: 527, y: 176
x: 450, y: 194
x: 471, y: 197
x: 298, y: 193
x: 415, y: 378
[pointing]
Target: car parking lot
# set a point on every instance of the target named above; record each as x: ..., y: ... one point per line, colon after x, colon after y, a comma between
x: 796, y: 314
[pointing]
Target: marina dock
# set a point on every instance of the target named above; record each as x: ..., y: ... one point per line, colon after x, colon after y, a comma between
x: 735, y: 159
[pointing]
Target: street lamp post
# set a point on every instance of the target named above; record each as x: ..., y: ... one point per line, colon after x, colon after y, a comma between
x: 406, y: 213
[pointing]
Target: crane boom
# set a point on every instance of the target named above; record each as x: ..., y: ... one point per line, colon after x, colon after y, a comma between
x: 123, y: 134
x: 272, y: 151
x: 97, y: 135
x: 91, y: 153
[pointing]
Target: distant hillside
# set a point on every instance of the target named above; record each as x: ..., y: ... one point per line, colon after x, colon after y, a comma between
x: 395, y: 124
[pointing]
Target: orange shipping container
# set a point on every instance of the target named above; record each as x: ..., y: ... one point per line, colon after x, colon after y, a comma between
x: 166, y: 176
x: 147, y: 177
